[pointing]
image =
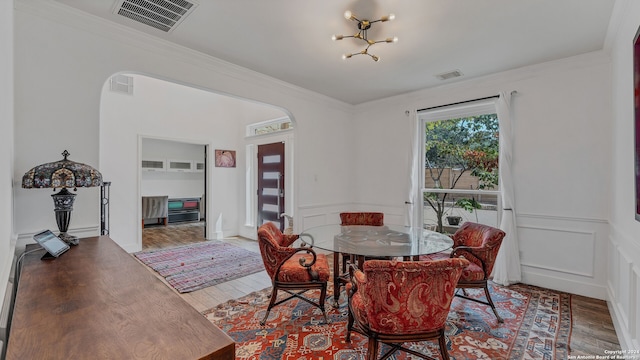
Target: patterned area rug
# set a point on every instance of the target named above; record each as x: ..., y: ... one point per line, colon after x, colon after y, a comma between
x: 193, y: 267
x: 537, y: 326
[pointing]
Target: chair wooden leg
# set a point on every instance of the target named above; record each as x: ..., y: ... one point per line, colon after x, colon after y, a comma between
x: 350, y: 321
x: 336, y: 277
x: 323, y: 295
x: 443, y: 346
x: 372, y: 349
x: 493, y: 307
x: 274, y: 295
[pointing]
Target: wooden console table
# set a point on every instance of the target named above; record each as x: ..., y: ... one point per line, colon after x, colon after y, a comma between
x: 97, y: 302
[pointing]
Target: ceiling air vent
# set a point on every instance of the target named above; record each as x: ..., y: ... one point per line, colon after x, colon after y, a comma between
x: 164, y: 15
x: 449, y: 75
x: 122, y: 83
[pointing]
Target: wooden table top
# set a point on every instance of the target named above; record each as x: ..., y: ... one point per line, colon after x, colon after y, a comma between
x: 97, y: 302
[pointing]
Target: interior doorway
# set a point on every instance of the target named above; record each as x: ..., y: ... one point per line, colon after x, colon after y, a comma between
x: 271, y: 184
x: 161, y: 109
x: 173, y: 185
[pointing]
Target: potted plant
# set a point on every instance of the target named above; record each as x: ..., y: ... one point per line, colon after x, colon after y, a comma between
x: 454, y: 220
x: 468, y: 204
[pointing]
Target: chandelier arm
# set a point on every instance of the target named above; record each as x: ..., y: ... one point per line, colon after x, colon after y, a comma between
x: 363, y: 26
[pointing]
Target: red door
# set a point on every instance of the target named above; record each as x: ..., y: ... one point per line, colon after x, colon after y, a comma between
x: 271, y: 184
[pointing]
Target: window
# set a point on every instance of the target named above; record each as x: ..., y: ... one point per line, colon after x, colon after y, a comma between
x: 270, y: 126
x: 460, y: 173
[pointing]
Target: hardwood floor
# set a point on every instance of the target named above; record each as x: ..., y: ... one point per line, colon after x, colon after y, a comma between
x: 159, y: 237
x: 592, y: 332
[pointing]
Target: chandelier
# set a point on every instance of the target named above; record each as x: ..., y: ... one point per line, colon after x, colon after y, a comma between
x: 363, y: 27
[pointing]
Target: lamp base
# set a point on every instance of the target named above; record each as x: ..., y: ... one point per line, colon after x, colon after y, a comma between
x: 63, y: 206
x: 69, y: 239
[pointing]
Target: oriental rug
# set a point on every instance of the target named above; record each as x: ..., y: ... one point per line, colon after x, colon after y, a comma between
x: 537, y: 325
x: 192, y: 267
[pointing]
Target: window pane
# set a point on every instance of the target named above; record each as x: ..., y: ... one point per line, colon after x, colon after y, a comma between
x: 461, y: 154
x: 270, y: 175
x: 456, y: 209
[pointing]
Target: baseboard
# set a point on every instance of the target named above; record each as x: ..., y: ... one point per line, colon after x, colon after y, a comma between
x: 4, y: 312
x: 625, y: 339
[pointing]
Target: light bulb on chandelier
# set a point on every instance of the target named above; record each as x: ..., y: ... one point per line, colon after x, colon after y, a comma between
x: 363, y: 27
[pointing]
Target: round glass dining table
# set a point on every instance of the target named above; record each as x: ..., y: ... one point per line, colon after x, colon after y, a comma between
x: 363, y: 241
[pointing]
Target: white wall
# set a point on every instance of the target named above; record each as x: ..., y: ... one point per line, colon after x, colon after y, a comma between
x: 175, y: 184
x: 63, y: 59
x: 561, y: 163
x: 623, y: 281
x: 159, y: 110
x: 6, y: 140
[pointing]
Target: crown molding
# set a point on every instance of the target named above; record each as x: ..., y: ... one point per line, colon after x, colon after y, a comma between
x: 488, y: 85
x: 620, y: 8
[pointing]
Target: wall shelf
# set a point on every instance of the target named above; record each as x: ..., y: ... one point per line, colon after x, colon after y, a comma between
x: 180, y: 165
x: 154, y: 165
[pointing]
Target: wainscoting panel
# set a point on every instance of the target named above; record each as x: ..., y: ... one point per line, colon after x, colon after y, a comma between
x: 564, y: 253
x: 634, y: 316
x: 312, y: 220
x: 623, y: 287
x: 625, y: 274
x: 558, y: 243
x: 321, y: 214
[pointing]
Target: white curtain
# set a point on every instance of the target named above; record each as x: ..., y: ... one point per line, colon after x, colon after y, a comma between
x: 506, y: 270
x: 414, y: 154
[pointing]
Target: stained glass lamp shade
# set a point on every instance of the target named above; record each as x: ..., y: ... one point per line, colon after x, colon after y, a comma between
x: 62, y: 174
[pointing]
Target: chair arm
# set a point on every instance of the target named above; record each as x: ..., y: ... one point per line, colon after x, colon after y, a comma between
x: 475, y: 252
x: 303, y: 261
x: 287, y: 239
x: 357, y: 278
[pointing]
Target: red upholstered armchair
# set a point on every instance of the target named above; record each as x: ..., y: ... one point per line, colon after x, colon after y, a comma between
x: 293, y: 270
x: 402, y: 301
x: 362, y: 218
x: 479, y: 244
x: 359, y: 218
x: 351, y: 219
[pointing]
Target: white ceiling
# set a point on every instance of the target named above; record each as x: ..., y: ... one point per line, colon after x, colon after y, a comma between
x: 291, y: 40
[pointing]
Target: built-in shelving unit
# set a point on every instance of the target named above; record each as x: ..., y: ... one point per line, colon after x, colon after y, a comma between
x: 184, y: 209
x: 154, y: 165
x: 172, y: 165
x: 180, y: 165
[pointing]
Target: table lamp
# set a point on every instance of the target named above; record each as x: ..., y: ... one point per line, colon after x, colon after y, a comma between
x: 62, y: 174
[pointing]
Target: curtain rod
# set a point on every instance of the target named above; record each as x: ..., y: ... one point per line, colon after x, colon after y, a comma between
x: 460, y: 102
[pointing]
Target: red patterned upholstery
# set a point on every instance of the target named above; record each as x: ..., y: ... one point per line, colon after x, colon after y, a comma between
x: 479, y: 244
x: 291, y: 268
x: 362, y: 218
x: 350, y: 219
x: 395, y: 302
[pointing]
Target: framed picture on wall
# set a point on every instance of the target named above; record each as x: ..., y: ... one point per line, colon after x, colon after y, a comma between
x: 226, y: 158
x: 636, y: 104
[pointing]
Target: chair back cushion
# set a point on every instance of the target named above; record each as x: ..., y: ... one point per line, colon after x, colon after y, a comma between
x: 481, y: 236
x: 409, y: 297
x: 270, y: 240
x: 362, y: 218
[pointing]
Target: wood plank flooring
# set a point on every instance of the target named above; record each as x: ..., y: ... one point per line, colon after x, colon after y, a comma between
x: 592, y: 332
